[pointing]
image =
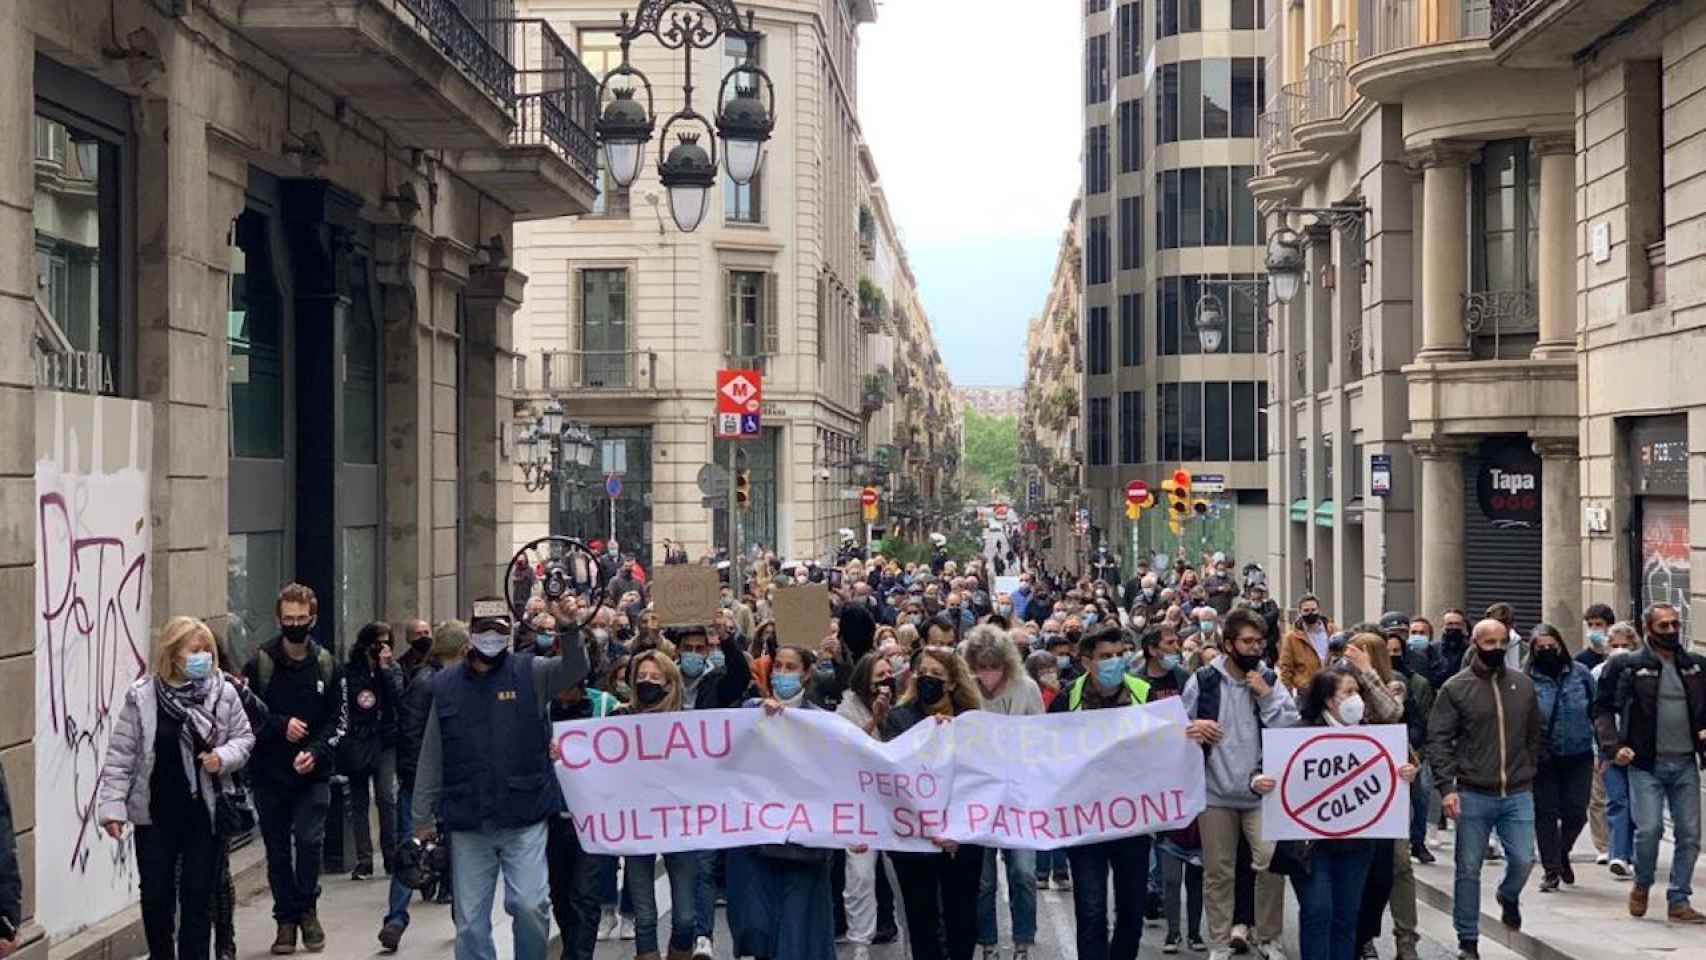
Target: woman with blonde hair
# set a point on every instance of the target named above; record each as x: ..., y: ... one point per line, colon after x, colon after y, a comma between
x: 657, y: 688
x: 180, y: 734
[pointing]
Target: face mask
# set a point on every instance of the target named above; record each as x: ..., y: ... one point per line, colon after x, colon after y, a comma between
x: 1491, y: 659
x: 421, y: 644
x: 1090, y: 619
x: 1666, y: 641
x: 786, y: 686
x: 1205, y: 626
x: 1005, y: 609
x: 1453, y: 635
x: 490, y: 643
x: 931, y: 690
x: 650, y: 693
x: 1247, y: 661
x: 1063, y: 661
x: 1550, y: 660
x: 1350, y: 710
x: 715, y: 660
x: 1110, y: 673
x: 1616, y: 652
x: 197, y: 666
x: 1170, y: 661
x: 897, y: 663
x: 692, y: 665
x: 1417, y: 642
x: 991, y: 679
x: 1073, y: 636
x: 296, y: 633
x: 1596, y: 639
x: 825, y: 668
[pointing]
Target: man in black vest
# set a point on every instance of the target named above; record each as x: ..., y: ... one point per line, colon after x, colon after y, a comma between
x: 485, y: 775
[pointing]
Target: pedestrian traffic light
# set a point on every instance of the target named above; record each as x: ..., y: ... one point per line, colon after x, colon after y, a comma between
x: 743, y: 488
x: 1200, y: 507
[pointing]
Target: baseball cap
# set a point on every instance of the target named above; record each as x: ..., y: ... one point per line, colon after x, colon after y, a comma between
x: 490, y: 620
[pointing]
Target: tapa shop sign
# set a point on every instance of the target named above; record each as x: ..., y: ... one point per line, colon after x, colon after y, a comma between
x: 1508, y: 484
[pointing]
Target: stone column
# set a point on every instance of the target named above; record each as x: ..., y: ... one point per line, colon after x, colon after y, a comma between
x: 492, y: 297
x: 1556, y: 285
x: 408, y: 422
x: 1560, y: 535
x: 1442, y: 523
x: 1445, y: 237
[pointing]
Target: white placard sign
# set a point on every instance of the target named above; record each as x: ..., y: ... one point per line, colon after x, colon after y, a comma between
x: 1336, y: 782
x: 706, y: 779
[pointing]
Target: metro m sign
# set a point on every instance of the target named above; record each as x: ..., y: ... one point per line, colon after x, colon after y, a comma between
x: 739, y: 391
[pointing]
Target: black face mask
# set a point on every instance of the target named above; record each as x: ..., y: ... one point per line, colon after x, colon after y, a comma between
x: 650, y: 693
x: 421, y: 644
x: 1665, y: 641
x: 296, y: 633
x: 1453, y: 635
x: 1247, y: 661
x: 931, y: 690
x: 1492, y: 659
x: 1074, y: 636
x: 1550, y: 661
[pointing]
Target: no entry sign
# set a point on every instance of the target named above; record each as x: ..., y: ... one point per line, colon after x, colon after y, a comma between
x: 1336, y: 782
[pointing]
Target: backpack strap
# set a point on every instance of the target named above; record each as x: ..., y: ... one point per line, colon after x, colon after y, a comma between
x: 263, y: 670
x: 1208, y: 693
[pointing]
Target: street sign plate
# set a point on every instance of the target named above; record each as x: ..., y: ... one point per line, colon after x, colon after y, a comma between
x: 1135, y: 491
x: 728, y: 426
x: 1380, y: 474
x: 739, y: 391
x: 749, y: 425
x: 613, y: 486
x: 713, y: 479
x: 1208, y: 482
x: 868, y: 497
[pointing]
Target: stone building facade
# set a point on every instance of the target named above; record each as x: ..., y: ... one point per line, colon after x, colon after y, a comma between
x: 257, y: 282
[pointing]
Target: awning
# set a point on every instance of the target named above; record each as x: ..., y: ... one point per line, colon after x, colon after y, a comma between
x: 1300, y: 510
x: 1324, y: 514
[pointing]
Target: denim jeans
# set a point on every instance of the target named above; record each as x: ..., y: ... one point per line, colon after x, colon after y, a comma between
x: 1480, y: 816
x: 1052, y: 863
x: 397, y: 911
x: 1619, y: 819
x: 1326, y: 915
x: 1021, y: 896
x: 1420, y: 791
x: 1176, y: 873
x: 683, y: 896
x: 1128, y: 861
x: 293, y: 827
x: 611, y: 893
x: 1674, y: 781
x: 476, y: 858
x: 705, y: 896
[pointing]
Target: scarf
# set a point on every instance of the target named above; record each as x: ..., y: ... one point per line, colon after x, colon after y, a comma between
x: 186, y: 703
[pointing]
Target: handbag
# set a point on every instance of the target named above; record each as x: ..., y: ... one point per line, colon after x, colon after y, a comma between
x: 1291, y: 858
x: 233, y: 812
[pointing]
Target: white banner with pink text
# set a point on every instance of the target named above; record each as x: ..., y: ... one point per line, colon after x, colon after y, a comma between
x: 710, y: 779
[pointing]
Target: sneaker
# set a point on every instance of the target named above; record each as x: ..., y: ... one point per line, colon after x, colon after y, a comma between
x: 626, y: 929
x: 702, y: 949
x: 1063, y: 881
x: 1194, y: 942
x: 861, y: 952
x: 1567, y: 873
x: 1368, y: 952
x: 313, y: 935
x: 1549, y: 883
x: 1637, y: 901
x: 1509, y: 914
x: 1468, y: 950
x: 1683, y: 913
x: 1602, y: 859
x: 991, y: 952
x: 1240, y: 939
x: 1494, y: 853
x: 1172, y: 944
x: 607, y: 923
x: 1021, y: 951
x: 390, y: 935
x: 362, y: 873
x: 1420, y: 853
x: 1270, y: 950
x: 285, y: 943
x: 886, y: 934
x: 1620, y: 869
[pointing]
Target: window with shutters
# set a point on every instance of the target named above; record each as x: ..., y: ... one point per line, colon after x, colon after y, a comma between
x: 751, y: 321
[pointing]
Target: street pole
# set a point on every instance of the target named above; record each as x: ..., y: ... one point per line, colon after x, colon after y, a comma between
x: 734, y: 525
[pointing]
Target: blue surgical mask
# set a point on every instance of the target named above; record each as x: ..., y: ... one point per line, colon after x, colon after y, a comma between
x: 715, y: 660
x: 786, y: 686
x: 1063, y: 661
x: 692, y: 665
x: 198, y: 666
x: 1417, y: 643
x: 1170, y: 661
x: 1596, y: 639
x: 1110, y: 673
x: 1090, y: 620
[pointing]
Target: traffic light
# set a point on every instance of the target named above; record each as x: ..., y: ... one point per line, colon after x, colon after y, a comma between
x: 743, y: 488
x: 1201, y: 507
x: 1178, y: 490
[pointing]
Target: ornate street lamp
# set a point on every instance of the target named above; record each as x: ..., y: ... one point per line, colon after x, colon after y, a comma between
x: 1211, y: 323
x: 547, y: 447
x: 1285, y: 263
x: 688, y: 169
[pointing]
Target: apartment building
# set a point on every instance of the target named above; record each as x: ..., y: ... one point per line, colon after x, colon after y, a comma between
x: 629, y: 319
x: 1472, y: 381
x: 256, y: 327
x: 1050, y: 456
x: 1172, y: 92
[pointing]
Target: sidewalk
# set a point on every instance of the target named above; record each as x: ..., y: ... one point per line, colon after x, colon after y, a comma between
x: 1589, y: 921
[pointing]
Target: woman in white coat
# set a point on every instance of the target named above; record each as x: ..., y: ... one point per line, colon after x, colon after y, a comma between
x: 180, y: 734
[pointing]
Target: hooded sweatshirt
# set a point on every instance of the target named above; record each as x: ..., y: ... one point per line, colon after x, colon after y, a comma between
x: 1238, y: 755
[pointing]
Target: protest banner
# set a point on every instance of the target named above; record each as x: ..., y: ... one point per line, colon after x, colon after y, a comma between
x: 1336, y: 782
x: 802, y: 615
x: 686, y: 594
x: 1006, y: 585
x: 712, y: 779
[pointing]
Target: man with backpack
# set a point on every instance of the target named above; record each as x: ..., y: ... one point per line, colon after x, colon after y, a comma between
x: 303, y: 688
x: 1229, y: 702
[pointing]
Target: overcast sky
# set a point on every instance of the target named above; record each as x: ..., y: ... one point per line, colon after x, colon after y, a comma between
x: 972, y: 110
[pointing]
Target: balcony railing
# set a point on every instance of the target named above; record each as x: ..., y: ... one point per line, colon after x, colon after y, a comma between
x: 1505, y: 12
x: 1276, y: 137
x: 1500, y: 323
x: 1401, y: 24
x: 1325, y: 91
x: 474, y: 34
x: 558, y: 371
x: 556, y: 100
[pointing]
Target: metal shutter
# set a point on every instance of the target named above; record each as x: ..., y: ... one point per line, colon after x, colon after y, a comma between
x: 1499, y: 563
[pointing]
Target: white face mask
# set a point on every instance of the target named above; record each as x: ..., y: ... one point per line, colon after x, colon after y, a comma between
x: 1616, y: 652
x: 1350, y: 710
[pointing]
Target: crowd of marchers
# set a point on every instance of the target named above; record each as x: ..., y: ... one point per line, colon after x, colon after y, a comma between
x: 1515, y: 744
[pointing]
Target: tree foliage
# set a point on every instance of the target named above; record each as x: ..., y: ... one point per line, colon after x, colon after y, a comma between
x: 992, y: 455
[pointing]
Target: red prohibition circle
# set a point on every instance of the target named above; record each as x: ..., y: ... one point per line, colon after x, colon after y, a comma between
x: 1381, y: 756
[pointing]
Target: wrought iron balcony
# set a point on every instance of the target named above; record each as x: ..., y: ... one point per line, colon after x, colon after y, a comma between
x: 1501, y: 324
x: 1275, y: 136
x: 1506, y: 12
x: 1325, y: 91
x: 556, y: 96
x: 1402, y: 24
x: 560, y: 371
x: 474, y: 35
x: 1353, y: 353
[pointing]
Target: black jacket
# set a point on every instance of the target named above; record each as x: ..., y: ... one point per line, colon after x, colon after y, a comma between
x: 1626, y: 704
x: 296, y: 690
x: 412, y: 711
x: 1484, y: 732
x: 11, y: 877
x: 728, y: 690
x: 373, y: 699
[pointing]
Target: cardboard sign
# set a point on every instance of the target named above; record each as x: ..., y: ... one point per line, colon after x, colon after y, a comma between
x: 1336, y: 782
x: 802, y: 615
x: 686, y: 594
